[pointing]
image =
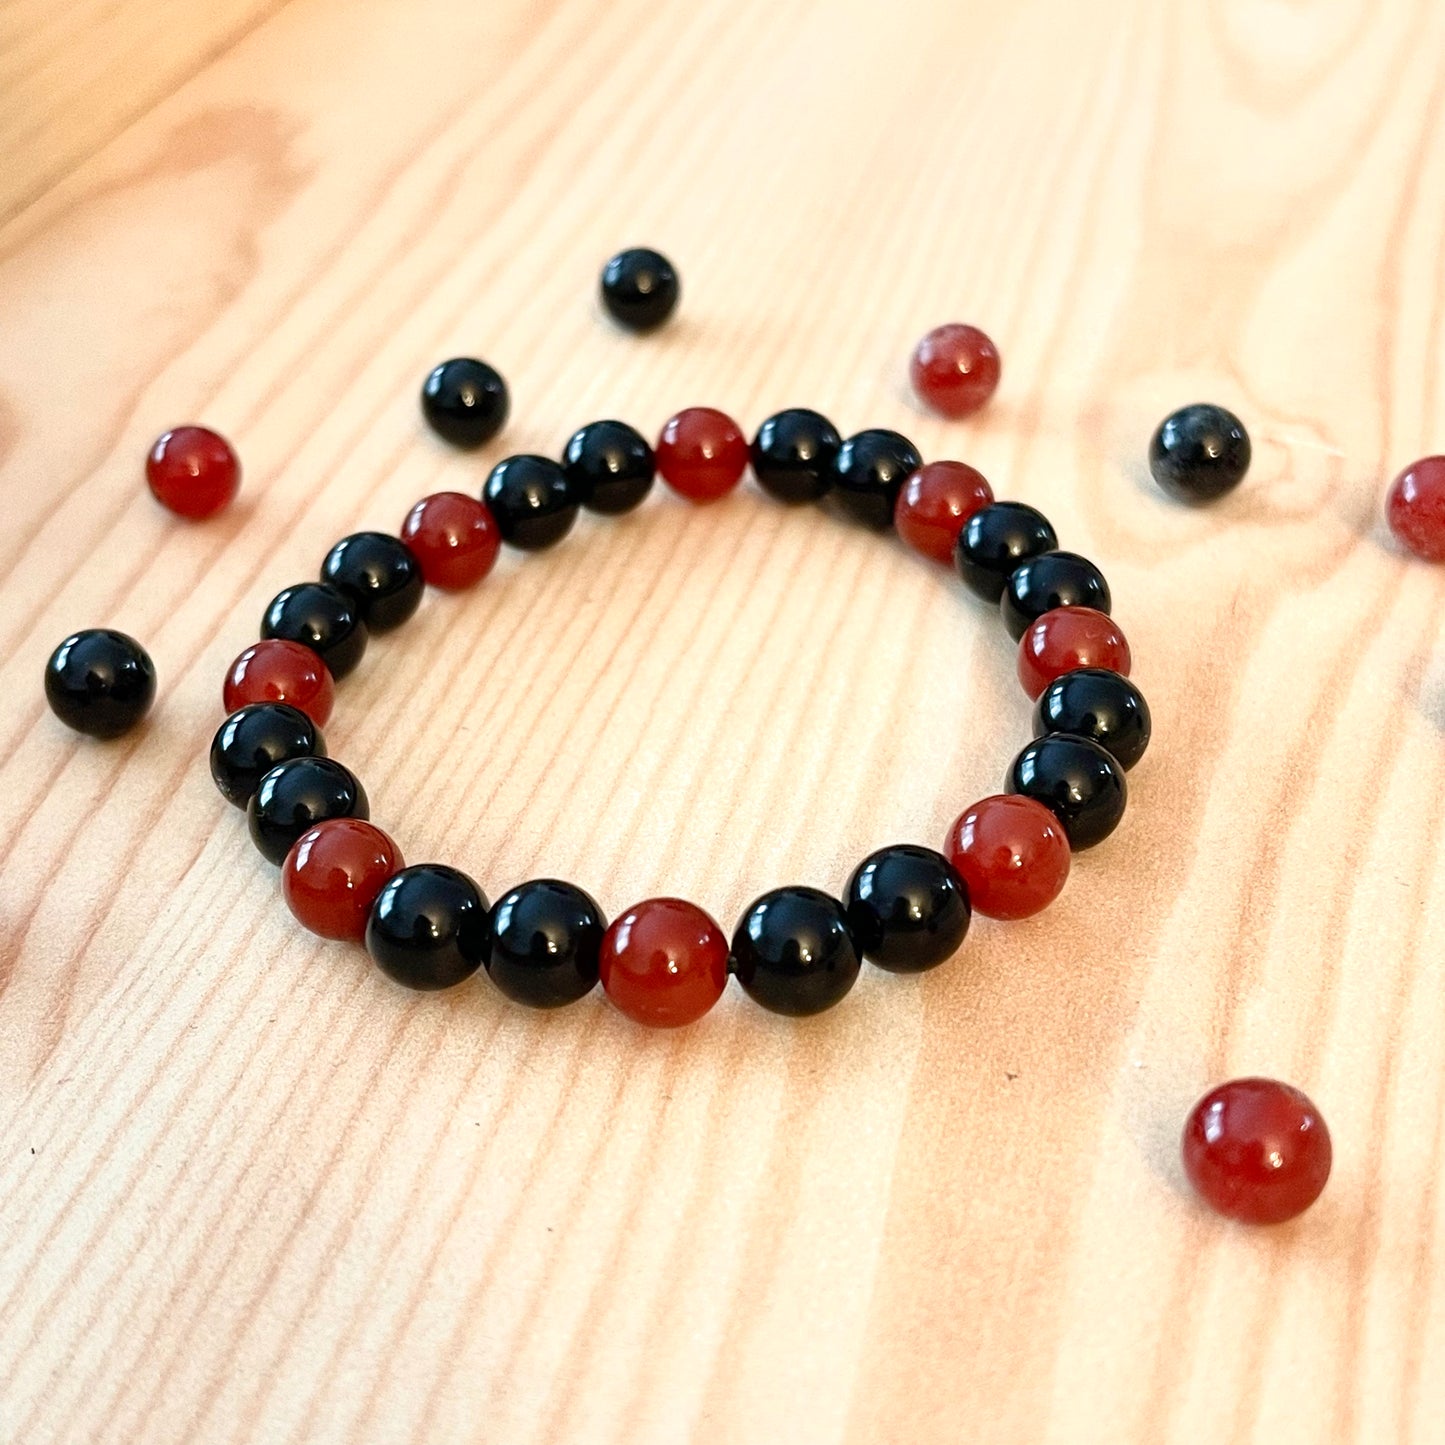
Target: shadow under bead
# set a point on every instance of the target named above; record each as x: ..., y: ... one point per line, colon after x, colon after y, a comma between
x: 100, y: 682
x: 428, y: 927
x: 544, y: 943
x: 380, y: 573
x: 1081, y: 783
x: 295, y: 796
x: 321, y: 617
x: 1104, y: 707
x: 869, y: 472
x: 793, y: 952
x: 531, y: 501
x: 908, y: 908
x: 1050, y: 580
x: 793, y: 455
x: 253, y: 740
x: 995, y: 540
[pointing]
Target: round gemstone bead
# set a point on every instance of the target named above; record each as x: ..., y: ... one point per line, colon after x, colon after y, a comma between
x: 1013, y: 855
x: 1052, y: 579
x: 428, y: 927
x: 454, y: 538
x: 278, y: 671
x: 908, y: 908
x: 334, y: 873
x: 465, y: 401
x: 1078, y: 780
x: 1199, y: 453
x: 531, y: 500
x: 1257, y: 1150
x: 664, y: 962
x: 297, y: 795
x: 1068, y: 638
x: 321, y: 617
x: 193, y: 472
x: 955, y: 369
x: 702, y: 454
x: 1099, y: 705
x: 380, y: 573
x: 994, y: 540
x: 100, y: 682
x: 544, y: 943
x: 639, y: 288
x: 609, y: 467
x: 935, y: 503
x: 868, y: 474
x: 793, y: 952
x: 253, y: 740
x: 793, y: 454
x: 1415, y: 508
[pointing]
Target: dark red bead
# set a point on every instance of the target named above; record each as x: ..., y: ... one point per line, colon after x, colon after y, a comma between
x: 334, y: 873
x: 702, y: 454
x: 275, y: 670
x: 955, y: 369
x: 664, y: 962
x: 193, y: 472
x: 1012, y: 853
x: 935, y: 503
x: 1415, y: 508
x: 1066, y: 639
x: 454, y: 537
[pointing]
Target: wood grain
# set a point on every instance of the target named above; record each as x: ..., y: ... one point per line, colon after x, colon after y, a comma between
x: 251, y: 1193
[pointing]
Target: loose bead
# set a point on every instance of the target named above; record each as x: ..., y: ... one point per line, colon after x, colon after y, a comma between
x: 908, y: 908
x: 1012, y: 854
x: 1415, y: 508
x: 935, y: 503
x: 100, y: 682
x: 793, y: 953
x: 609, y: 467
x: 297, y: 795
x: 793, y: 453
x: 1052, y: 579
x: 531, y: 500
x: 465, y: 401
x: 664, y: 962
x: 380, y: 573
x: 454, y: 537
x: 1257, y: 1150
x: 869, y: 472
x: 193, y: 472
x: 1199, y: 453
x: 995, y: 540
x: 1078, y: 780
x: 639, y: 288
x: 955, y: 369
x: 544, y: 943
x: 321, y: 617
x: 1099, y: 705
x: 702, y: 454
x: 253, y: 740
x: 428, y: 927
x: 333, y: 874
x: 1068, y: 638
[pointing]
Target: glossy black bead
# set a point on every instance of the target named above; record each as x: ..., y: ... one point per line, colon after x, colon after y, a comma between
x: 995, y: 540
x: 609, y: 467
x: 532, y: 501
x: 100, y: 682
x: 793, y: 455
x: 297, y: 795
x: 380, y: 573
x: 428, y: 927
x: 465, y: 401
x: 793, y: 953
x: 1199, y: 453
x: 544, y: 943
x: 1093, y: 703
x: 907, y: 907
x: 1078, y: 780
x: 639, y: 288
x: 869, y: 472
x: 253, y: 740
x: 1052, y: 579
x: 321, y: 617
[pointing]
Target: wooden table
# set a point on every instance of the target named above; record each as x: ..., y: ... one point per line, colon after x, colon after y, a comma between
x: 251, y: 1192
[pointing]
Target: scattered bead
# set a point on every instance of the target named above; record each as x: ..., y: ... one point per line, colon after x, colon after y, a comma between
x: 955, y: 369
x: 639, y: 288
x: 1415, y: 508
x: 993, y: 542
x: 935, y: 503
x: 295, y: 796
x: 702, y: 454
x: 1013, y: 855
x: 334, y: 873
x: 275, y: 670
x: 1099, y: 705
x: 1078, y: 780
x: 544, y: 943
x: 193, y: 472
x: 465, y: 401
x: 793, y: 953
x: 380, y: 573
x: 1066, y: 639
x: 321, y: 617
x: 253, y: 740
x: 1199, y: 453
x: 868, y: 474
x: 454, y: 538
x: 531, y: 501
x: 1049, y: 581
x: 908, y: 908
x: 100, y: 682
x: 428, y: 927
x: 793, y: 454
x: 664, y: 962
x: 609, y: 467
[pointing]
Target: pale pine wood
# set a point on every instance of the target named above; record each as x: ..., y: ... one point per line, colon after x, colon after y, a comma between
x: 251, y: 1193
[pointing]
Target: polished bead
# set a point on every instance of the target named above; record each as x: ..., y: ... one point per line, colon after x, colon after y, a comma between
x: 380, y: 573
x: 1199, y: 453
x: 321, y: 617
x: 664, y: 962
x: 465, y: 401
x: 1257, y: 1150
x: 995, y: 540
x: 935, y: 503
x: 793, y: 454
x: 253, y: 740
x: 793, y: 953
x: 702, y: 454
x: 1078, y: 780
x: 869, y: 472
x: 908, y: 908
x: 297, y: 795
x: 639, y: 288
x: 531, y: 500
x: 1415, y: 508
x: 1052, y: 579
x: 955, y: 369
x: 193, y: 472
x: 278, y: 671
x: 1012, y: 854
x: 428, y: 927
x: 454, y: 539
x: 100, y: 682
x: 609, y: 467
x: 1100, y: 705
x: 333, y: 874
x: 1068, y: 638
x: 544, y: 943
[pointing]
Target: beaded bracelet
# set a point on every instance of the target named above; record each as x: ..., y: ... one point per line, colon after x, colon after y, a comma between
x: 665, y: 962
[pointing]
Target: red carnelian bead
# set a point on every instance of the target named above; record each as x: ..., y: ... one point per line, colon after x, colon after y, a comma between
x: 1415, y: 508
x: 702, y: 454
x: 454, y: 537
x: 193, y: 472
x: 1013, y: 854
x: 955, y: 369
x: 1066, y: 639
x: 935, y: 503
x: 279, y: 671
x: 1257, y: 1150
x: 664, y: 962
x: 333, y: 874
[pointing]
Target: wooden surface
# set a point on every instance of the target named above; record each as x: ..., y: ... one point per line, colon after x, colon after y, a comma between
x: 250, y: 1192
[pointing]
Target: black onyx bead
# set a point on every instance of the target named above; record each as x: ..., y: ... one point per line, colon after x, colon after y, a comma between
x: 793, y: 953
x: 1199, y: 453
x: 321, y: 617
x: 995, y: 540
x: 544, y: 943
x: 1052, y: 579
x: 609, y: 467
x: 380, y: 574
x: 297, y: 795
x: 100, y: 682
x: 428, y: 927
x: 1078, y: 780
x: 532, y: 501
x: 793, y: 455
x: 639, y: 288
x: 465, y: 401
x: 253, y: 740
x: 907, y: 907
x: 1093, y: 703
x: 869, y: 472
